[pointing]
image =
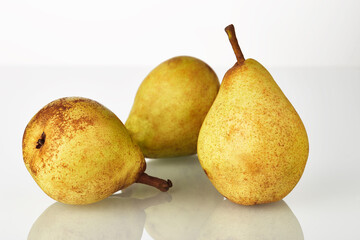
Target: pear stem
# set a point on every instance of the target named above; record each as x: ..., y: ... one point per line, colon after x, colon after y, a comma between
x: 160, y: 184
x: 230, y: 30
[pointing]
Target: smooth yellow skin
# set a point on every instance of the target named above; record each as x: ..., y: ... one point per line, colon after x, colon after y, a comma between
x: 170, y: 106
x: 87, y: 155
x: 252, y: 144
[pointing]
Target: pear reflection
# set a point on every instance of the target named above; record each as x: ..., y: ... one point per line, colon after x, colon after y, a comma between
x: 267, y: 221
x: 116, y: 217
x: 192, y: 209
x: 193, y: 199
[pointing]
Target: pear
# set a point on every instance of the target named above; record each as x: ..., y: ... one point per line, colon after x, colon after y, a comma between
x: 79, y: 152
x: 170, y: 106
x: 252, y: 145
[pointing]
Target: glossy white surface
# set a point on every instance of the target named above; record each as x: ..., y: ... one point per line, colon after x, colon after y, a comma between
x: 324, y: 205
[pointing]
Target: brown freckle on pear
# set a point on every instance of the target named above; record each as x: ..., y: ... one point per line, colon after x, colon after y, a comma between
x: 33, y: 169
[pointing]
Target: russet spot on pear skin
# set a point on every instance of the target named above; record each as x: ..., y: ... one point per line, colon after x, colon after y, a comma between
x: 170, y: 106
x: 252, y: 145
x: 79, y: 152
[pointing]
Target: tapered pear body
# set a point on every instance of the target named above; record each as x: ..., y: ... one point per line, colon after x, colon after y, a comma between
x: 79, y: 152
x: 170, y: 106
x: 252, y: 145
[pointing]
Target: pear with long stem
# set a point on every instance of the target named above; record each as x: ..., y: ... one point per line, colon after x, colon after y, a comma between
x: 252, y: 145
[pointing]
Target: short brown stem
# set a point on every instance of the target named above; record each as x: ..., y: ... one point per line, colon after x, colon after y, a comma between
x: 160, y: 184
x: 230, y: 30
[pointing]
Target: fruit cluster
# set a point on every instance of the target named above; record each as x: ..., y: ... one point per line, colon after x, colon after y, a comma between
x: 249, y: 139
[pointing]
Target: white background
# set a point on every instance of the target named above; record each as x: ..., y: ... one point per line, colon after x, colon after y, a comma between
x: 103, y: 49
x: 277, y: 32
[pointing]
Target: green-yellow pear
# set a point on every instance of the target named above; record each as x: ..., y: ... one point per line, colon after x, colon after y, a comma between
x: 170, y: 106
x: 252, y: 145
x: 79, y: 152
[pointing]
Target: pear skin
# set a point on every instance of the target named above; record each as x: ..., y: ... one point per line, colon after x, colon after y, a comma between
x: 170, y: 106
x: 252, y: 145
x: 79, y: 152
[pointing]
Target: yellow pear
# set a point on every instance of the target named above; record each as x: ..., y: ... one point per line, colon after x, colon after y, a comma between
x: 79, y: 152
x: 252, y: 145
x: 170, y: 106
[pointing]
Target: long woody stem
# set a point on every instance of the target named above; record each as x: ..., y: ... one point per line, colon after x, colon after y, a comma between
x: 160, y: 184
x: 230, y: 30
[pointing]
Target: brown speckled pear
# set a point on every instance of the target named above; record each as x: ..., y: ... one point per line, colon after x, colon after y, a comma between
x: 79, y: 152
x: 252, y: 145
x: 170, y: 106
